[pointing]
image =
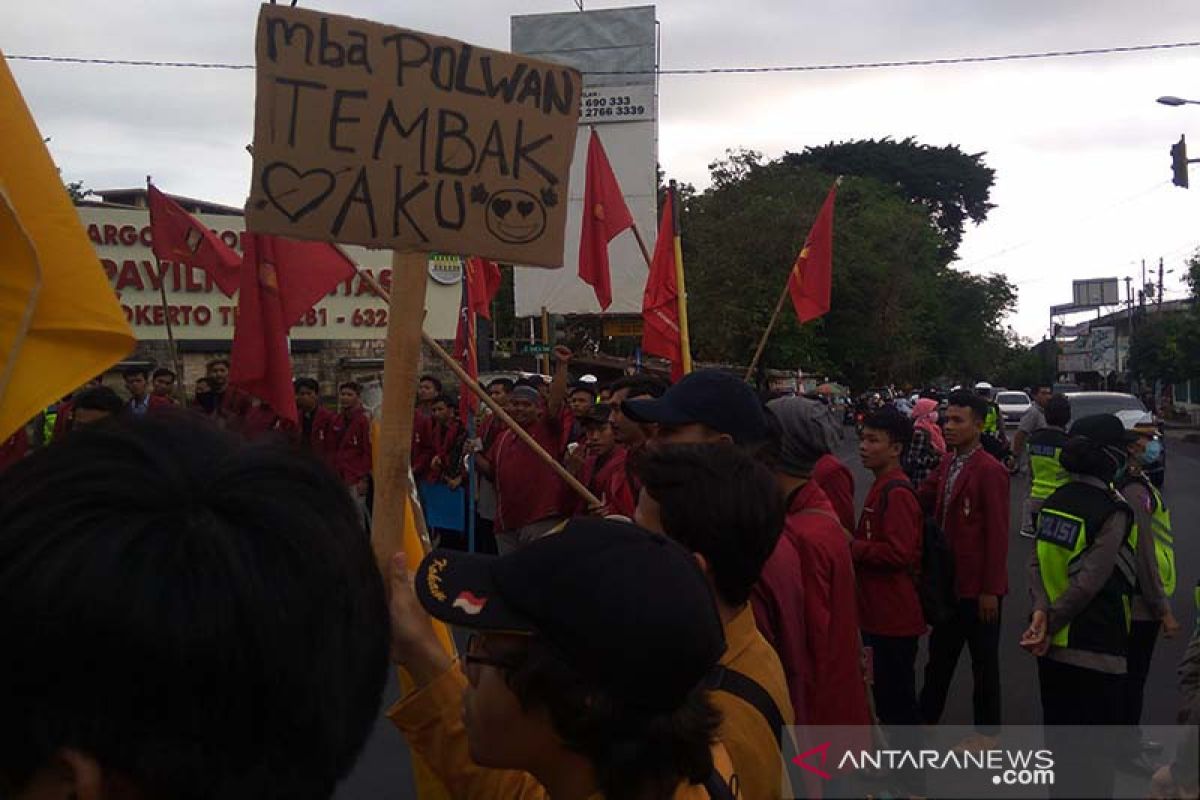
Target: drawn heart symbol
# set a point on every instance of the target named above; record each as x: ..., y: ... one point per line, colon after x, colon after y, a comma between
x: 524, y: 208
x: 293, y: 192
x: 501, y: 207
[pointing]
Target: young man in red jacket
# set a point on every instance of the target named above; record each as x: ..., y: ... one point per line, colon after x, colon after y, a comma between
x: 968, y: 495
x: 316, y: 423
x: 606, y: 468
x: 830, y: 663
x: 836, y: 480
x: 887, y: 554
x: 351, y: 442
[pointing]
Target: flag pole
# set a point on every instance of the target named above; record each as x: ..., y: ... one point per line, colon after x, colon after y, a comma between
x: 472, y: 384
x: 762, y: 343
x: 172, y: 349
x: 637, y: 234
x: 685, y: 339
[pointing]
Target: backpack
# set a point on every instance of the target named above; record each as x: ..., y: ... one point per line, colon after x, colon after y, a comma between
x: 935, y: 577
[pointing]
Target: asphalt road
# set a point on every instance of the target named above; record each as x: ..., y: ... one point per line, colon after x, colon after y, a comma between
x: 384, y: 770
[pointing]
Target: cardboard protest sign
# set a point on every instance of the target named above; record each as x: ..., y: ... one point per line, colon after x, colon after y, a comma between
x: 381, y: 136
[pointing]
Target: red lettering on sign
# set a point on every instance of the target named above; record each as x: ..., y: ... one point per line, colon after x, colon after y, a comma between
x: 364, y: 286
x: 226, y: 315
x: 202, y: 315
x: 110, y: 234
x: 110, y: 268
x: 158, y: 315
x: 128, y: 312
x: 192, y: 285
x: 151, y: 270
x: 94, y: 234
x: 385, y: 279
x: 146, y: 237
x: 173, y: 314
x: 127, y: 235
x: 140, y: 316
x: 129, y: 276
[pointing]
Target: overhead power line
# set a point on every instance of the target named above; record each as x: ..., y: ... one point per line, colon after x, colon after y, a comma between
x: 925, y: 62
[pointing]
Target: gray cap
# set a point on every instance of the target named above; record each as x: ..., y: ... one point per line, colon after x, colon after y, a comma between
x: 806, y: 432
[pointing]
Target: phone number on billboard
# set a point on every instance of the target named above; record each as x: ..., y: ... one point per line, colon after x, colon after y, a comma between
x: 611, y: 107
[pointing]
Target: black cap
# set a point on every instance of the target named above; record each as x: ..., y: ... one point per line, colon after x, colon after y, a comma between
x: 630, y: 610
x: 1105, y: 429
x: 717, y: 399
x: 597, y: 414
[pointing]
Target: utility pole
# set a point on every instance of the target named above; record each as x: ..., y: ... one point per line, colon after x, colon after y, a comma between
x: 1129, y: 300
x: 1158, y: 299
x: 1142, y: 293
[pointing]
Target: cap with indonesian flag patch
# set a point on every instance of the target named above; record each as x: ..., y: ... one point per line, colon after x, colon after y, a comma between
x: 629, y: 609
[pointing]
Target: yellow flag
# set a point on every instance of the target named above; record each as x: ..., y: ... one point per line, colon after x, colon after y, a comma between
x: 60, y: 322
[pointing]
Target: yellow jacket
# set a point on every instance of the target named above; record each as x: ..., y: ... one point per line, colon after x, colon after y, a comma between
x: 431, y: 720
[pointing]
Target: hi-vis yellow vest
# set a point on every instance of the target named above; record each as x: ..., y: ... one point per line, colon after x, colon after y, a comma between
x: 1164, y: 539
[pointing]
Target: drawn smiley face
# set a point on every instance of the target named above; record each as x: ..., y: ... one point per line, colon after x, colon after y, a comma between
x: 515, y: 216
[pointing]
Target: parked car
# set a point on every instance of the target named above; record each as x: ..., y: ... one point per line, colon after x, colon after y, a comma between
x: 1013, y: 405
x: 1127, y: 408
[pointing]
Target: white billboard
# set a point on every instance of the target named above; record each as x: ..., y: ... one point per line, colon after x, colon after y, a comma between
x: 1096, y: 292
x: 198, y: 309
x: 624, y: 110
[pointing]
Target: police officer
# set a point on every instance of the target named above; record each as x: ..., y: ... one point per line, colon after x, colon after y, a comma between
x: 1152, y: 598
x: 1082, y: 574
x: 1045, y: 466
x: 994, y: 441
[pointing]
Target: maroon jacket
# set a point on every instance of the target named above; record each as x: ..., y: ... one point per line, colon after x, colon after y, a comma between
x: 350, y: 434
x: 975, y: 522
x: 831, y: 670
x: 611, y: 482
x: 887, y: 554
x: 837, y: 482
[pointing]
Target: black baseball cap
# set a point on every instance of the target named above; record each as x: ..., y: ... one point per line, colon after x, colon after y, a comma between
x: 717, y: 399
x: 629, y: 609
x: 1105, y: 429
x: 598, y: 414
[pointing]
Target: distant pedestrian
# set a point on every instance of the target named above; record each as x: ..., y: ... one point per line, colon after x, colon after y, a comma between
x: 350, y: 447
x: 1032, y: 420
x: 928, y: 445
x: 606, y: 471
x: 315, y: 434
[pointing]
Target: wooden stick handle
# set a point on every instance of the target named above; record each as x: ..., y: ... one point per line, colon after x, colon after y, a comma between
x: 637, y: 234
x: 762, y: 343
x: 472, y: 384
x: 401, y: 361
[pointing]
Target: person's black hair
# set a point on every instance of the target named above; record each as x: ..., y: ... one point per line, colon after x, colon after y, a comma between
x: 640, y: 386
x: 203, y: 617
x: 890, y: 420
x: 532, y: 381
x: 99, y: 398
x: 583, y: 387
x: 1084, y: 456
x: 507, y: 383
x: 444, y: 398
x: 163, y: 372
x: 966, y: 399
x: 1058, y: 410
x: 353, y: 386
x: 437, y: 384
x: 1037, y: 387
x: 216, y: 361
x: 720, y: 502
x: 306, y: 383
x: 133, y: 372
x: 634, y: 755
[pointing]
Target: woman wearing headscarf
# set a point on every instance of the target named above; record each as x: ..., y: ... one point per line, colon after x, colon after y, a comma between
x: 928, y: 445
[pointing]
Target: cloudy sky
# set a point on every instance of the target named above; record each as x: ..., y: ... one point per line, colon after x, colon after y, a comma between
x: 1079, y: 145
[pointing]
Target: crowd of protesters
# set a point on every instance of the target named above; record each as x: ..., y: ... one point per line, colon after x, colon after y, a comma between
x: 652, y: 644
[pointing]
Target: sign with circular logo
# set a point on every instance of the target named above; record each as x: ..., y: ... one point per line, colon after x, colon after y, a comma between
x: 446, y: 270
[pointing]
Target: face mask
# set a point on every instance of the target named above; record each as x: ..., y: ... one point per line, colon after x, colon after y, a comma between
x: 1152, y: 453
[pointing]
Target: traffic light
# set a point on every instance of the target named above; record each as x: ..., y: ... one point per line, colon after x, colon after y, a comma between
x: 1179, y: 163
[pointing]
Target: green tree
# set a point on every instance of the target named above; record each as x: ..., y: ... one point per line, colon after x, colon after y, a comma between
x: 953, y: 186
x: 899, y: 312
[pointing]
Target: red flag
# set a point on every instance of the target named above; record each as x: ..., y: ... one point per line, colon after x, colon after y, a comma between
x: 178, y: 236
x: 281, y: 280
x: 604, y: 216
x: 483, y: 281
x: 466, y: 353
x: 660, y: 301
x: 812, y: 275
